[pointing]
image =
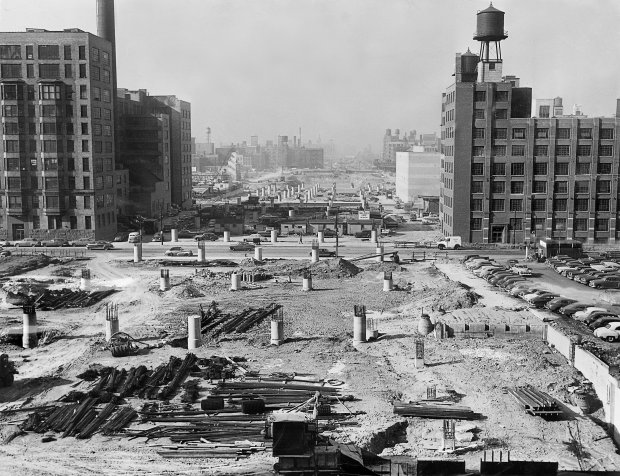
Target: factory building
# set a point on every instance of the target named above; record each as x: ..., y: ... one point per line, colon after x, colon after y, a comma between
x: 417, y: 173
x: 510, y: 177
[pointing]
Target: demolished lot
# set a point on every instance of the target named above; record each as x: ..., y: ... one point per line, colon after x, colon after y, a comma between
x: 134, y: 410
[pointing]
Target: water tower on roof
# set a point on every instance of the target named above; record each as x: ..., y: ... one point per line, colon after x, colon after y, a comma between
x: 490, y: 32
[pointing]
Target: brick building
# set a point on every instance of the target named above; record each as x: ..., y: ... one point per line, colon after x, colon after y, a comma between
x: 508, y: 177
x: 57, y: 173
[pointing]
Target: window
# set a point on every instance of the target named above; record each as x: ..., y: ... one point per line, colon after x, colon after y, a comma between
x: 501, y: 96
x: 518, y: 150
x: 480, y: 96
x: 499, y: 150
x: 97, y: 146
x: 98, y: 183
x: 501, y: 114
x: 603, y: 186
x: 11, y: 128
x: 67, y: 49
x: 82, y: 70
x: 83, y: 91
x: 543, y: 111
x: 85, y: 146
x: 516, y: 223
x: 560, y: 187
x: 584, y: 150
x: 541, y: 150
x: 107, y: 114
x: 106, y: 76
x: 478, y: 133
x: 84, y: 127
x: 516, y: 186
x: 85, y: 164
x: 83, y: 111
x: 11, y: 52
x: 11, y: 71
x: 72, y: 219
x: 71, y: 184
x: 49, y: 91
x: 82, y: 52
x: 601, y: 224
x: 69, y: 110
x: 606, y: 133
x: 13, y: 183
x: 49, y: 146
x: 29, y: 52
x: 51, y: 183
x: 108, y: 149
x: 541, y: 134
x: 96, y: 130
x: 516, y: 205
x: 476, y: 186
x: 560, y: 204
x: 497, y: 205
x: 49, y: 52
x: 97, y: 94
x: 580, y: 224
x: 478, y: 113
x: 540, y: 186
x: 563, y: 133
x: 518, y: 133
x: 87, y: 202
x: 95, y: 73
x: 499, y: 168
x: 49, y: 71
x: 602, y: 205
x: 477, y: 169
x: 500, y: 133
x: 70, y: 145
x: 582, y: 204
x: 68, y: 70
x: 562, y: 150
x: 50, y: 163
x: 582, y: 168
x: 498, y: 186
x: 584, y: 133
x: 561, y: 168
x: 606, y: 150
x: 48, y: 111
x: 86, y: 183
x: 582, y: 186
x: 105, y: 94
x: 30, y: 71
x: 96, y: 111
x: 11, y: 146
x: 604, y: 168
x: 107, y: 130
x: 559, y: 224
x: 88, y: 225
x: 94, y: 54
x: 105, y: 56
x: 11, y: 111
x: 476, y: 205
x: 539, y: 204
x: 517, y: 168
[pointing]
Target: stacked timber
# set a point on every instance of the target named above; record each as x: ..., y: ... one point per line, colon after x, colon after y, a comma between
x: 536, y: 403
x: 215, y: 322
x: 435, y: 409
x: 50, y: 300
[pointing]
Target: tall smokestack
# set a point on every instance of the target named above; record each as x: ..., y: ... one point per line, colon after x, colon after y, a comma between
x: 106, y: 29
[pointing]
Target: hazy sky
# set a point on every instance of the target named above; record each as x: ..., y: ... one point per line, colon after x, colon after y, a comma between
x: 342, y: 69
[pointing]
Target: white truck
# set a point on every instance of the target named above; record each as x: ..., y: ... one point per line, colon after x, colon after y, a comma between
x: 449, y: 243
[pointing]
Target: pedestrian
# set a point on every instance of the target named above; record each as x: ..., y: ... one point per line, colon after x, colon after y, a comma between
x: 301, y: 241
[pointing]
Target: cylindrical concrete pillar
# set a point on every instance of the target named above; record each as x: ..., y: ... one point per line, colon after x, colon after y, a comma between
x: 238, y: 200
x: 29, y: 338
x: 321, y: 237
x: 315, y: 255
x: 388, y: 284
x: 274, y: 236
x: 164, y: 280
x: 291, y: 213
x: 307, y: 283
x: 175, y: 235
x: 298, y: 188
x: 193, y: 332
x: 137, y: 252
x: 277, y: 332
x: 111, y: 328
x: 226, y: 236
x: 85, y: 280
x: 202, y: 254
x: 258, y: 253
x: 328, y: 211
x: 359, y: 329
x: 379, y: 253
x: 235, y: 282
x: 373, y: 236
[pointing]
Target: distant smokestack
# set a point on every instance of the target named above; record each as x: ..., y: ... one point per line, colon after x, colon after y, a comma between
x: 106, y: 29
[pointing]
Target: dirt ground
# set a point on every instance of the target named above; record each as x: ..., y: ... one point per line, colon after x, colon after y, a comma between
x: 318, y: 328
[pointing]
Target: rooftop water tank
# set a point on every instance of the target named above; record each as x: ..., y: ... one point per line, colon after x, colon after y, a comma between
x: 388, y: 132
x: 490, y: 25
x: 469, y: 62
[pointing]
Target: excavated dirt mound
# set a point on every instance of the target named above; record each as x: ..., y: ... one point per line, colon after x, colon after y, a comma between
x: 12, y: 265
x: 383, y: 266
x: 327, y: 268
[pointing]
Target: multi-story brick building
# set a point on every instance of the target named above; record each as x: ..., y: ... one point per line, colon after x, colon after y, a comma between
x: 508, y: 177
x: 57, y: 173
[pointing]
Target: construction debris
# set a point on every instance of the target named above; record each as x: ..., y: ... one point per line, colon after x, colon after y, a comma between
x: 51, y: 300
x: 435, y: 409
x: 215, y: 322
x: 537, y: 403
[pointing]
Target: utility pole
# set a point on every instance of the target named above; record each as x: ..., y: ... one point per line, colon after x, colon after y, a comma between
x: 161, y: 222
x: 337, y: 211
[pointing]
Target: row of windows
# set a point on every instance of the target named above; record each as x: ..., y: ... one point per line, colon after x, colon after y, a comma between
x: 542, y: 150
x: 540, y: 168
x: 54, y: 163
x: 53, y: 71
x: 57, y: 146
x: 498, y: 96
x: 539, y: 186
x: 54, y: 183
x: 52, y: 110
x: 541, y: 204
x: 540, y: 133
x: 52, y: 52
x: 559, y: 224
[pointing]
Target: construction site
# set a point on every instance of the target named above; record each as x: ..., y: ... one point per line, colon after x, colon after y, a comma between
x: 305, y: 365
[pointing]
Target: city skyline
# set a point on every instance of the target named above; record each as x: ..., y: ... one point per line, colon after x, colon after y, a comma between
x: 343, y: 70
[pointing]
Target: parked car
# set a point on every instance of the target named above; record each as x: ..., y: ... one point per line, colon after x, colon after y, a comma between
x: 585, y: 313
x: 519, y: 287
x: 529, y: 296
x: 187, y: 233
x: 605, y: 282
x: 594, y: 322
x: 509, y: 280
x: 5, y: 243
x: 120, y: 237
x: 559, y: 302
x: 4, y: 253
x: 329, y: 233
x: 521, y: 270
x: 325, y: 253
x: 55, y: 242
x: 99, y: 245
x: 80, y: 242
x: 494, y: 278
x: 27, y: 242
x: 206, y: 237
x: 134, y: 237
x: 573, y: 308
x: 484, y: 270
x: 178, y: 251
x: 609, y: 332
x: 242, y: 247
x: 362, y: 234
x: 541, y: 300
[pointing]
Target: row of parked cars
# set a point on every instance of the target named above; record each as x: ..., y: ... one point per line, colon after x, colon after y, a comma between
x: 604, y: 323
x: 594, y: 272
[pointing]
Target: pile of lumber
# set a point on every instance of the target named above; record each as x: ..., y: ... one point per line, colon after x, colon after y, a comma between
x: 536, y: 403
x: 50, y: 300
x: 81, y: 420
x: 215, y: 322
x: 239, y: 449
x: 435, y: 409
